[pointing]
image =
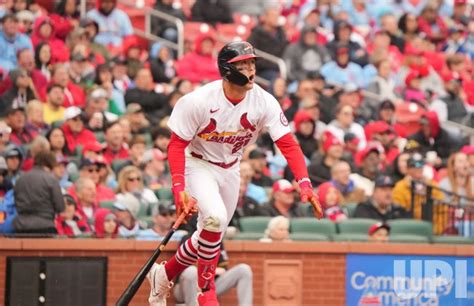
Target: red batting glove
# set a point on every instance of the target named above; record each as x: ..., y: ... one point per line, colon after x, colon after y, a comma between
x: 307, y: 195
x: 182, y: 202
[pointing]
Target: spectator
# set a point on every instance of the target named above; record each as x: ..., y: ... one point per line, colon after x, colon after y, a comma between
x: 402, y: 193
x: 60, y: 172
x: 341, y: 179
x: 57, y: 141
x: 379, y: 232
x: 43, y: 61
x: 278, y: 230
x: 413, y: 91
x: 130, y: 183
x: 163, y: 219
x: 26, y: 62
x: 138, y: 122
x: 69, y: 222
x: 163, y: 64
x: 38, y: 198
x: 408, y: 26
x: 81, y: 70
x: 389, y: 24
x: 96, y: 113
x: 54, y: 109
x: 380, y: 205
x: 73, y: 94
x: 258, y: 161
x: 432, y: 137
x: 5, y: 132
x: 432, y: 25
x: 85, y: 191
x: 137, y: 147
x: 211, y: 11
x: 25, y: 21
x: 14, y: 159
x: 320, y: 166
x: 283, y: 202
x: 35, y: 119
x: 469, y: 151
x: 74, y: 130
x: 253, y: 191
x: 11, y: 41
x: 115, y: 147
x: 269, y: 37
x: 164, y: 28
x: 5, y: 184
x: 342, y: 37
x: 145, y: 95
x: 199, y: 65
x: 20, y: 94
x: 161, y: 138
x: 155, y: 174
x: 459, y: 180
x: 16, y: 119
x: 386, y: 112
x: 44, y: 31
x: 91, y: 168
x: 304, y: 131
x: 306, y: 55
x: 105, y: 224
x: 65, y: 17
x: 104, y: 78
x: 119, y: 72
x: 344, y: 123
x: 369, y: 164
x: 114, y: 24
x: 341, y: 70
x: 330, y: 200
x: 399, y: 167
x: 126, y: 211
x: 239, y: 276
x: 455, y: 101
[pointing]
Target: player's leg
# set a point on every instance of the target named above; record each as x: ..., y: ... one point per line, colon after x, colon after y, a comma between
x: 186, y: 290
x: 241, y: 277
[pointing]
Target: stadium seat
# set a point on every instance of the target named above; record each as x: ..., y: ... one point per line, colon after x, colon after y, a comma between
x: 350, y: 209
x: 254, y: 224
x: 356, y: 226
x: 309, y: 237
x: 453, y: 240
x: 311, y: 226
x: 411, y: 227
x: 351, y: 237
x: 407, y: 238
x: 164, y: 194
x: 107, y: 204
x: 248, y: 236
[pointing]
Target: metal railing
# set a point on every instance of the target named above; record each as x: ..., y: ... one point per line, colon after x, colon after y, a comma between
x: 457, y: 127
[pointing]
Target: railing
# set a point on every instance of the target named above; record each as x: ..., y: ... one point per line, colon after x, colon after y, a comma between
x: 451, y: 213
x: 456, y: 128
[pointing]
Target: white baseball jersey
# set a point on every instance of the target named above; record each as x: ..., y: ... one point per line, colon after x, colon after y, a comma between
x: 218, y: 130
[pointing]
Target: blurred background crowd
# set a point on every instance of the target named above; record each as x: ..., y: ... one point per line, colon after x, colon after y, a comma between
x: 380, y: 96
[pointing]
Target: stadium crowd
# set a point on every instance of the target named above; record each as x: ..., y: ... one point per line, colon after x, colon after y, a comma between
x: 84, y: 105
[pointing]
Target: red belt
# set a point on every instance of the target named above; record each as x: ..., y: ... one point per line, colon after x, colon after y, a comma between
x: 222, y: 165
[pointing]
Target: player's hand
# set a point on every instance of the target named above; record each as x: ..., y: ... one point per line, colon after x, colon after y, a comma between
x: 182, y: 201
x: 307, y: 195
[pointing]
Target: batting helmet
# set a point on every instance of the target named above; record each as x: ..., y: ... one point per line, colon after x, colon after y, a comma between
x: 231, y: 53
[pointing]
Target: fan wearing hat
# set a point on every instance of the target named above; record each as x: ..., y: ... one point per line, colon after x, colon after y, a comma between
x: 258, y: 161
x: 344, y: 35
x: 283, y: 202
x: 320, y: 166
x: 14, y: 158
x: 126, y: 209
x: 5, y: 184
x: 341, y: 70
x: 69, y: 222
x: 16, y: 120
x: 380, y: 206
x: 163, y: 217
x: 74, y: 130
x: 455, y: 99
x: 379, y: 232
x: 402, y: 191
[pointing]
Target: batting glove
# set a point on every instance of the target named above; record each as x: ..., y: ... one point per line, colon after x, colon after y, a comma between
x: 307, y: 195
x: 182, y: 202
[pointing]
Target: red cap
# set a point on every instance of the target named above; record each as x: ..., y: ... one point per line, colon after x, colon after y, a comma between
x: 414, y: 74
x: 283, y: 185
x: 371, y: 147
x: 469, y: 150
x: 378, y: 226
x: 329, y: 141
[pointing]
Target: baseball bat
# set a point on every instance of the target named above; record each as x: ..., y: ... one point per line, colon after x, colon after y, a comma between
x: 132, y: 288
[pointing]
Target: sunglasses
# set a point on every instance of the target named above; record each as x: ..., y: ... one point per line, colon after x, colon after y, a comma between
x: 132, y: 179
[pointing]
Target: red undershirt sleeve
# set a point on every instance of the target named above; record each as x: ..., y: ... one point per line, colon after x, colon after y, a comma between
x: 176, y: 159
x: 293, y: 154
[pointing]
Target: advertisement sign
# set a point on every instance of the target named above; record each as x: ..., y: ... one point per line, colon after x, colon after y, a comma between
x: 403, y: 280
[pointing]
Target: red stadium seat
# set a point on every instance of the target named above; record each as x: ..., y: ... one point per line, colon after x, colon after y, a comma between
x: 229, y: 32
x: 193, y: 29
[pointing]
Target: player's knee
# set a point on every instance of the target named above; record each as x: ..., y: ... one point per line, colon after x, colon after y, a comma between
x: 245, y: 271
x: 213, y: 223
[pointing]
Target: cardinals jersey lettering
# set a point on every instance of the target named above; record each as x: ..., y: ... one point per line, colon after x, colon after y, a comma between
x: 219, y: 130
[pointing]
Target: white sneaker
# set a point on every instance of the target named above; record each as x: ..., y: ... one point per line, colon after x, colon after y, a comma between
x: 160, y: 285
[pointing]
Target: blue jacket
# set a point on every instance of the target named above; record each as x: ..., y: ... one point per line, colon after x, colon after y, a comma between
x: 9, y: 49
x: 8, y: 208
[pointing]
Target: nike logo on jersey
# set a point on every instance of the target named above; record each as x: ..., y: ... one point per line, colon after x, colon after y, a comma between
x: 214, y: 110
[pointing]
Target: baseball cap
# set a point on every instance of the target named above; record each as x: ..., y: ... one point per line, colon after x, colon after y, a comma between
x: 134, y: 108
x: 98, y: 93
x: 469, y: 150
x: 163, y: 210
x: 387, y: 104
x: 329, y: 141
x: 378, y: 226
x: 371, y: 147
x: 90, y: 162
x: 13, y: 152
x: 350, y: 87
x: 283, y: 185
x: 384, y: 180
x: 415, y: 161
x: 315, y: 75
x: 14, y: 109
x: 128, y: 202
x: 152, y: 154
x: 72, y: 112
x: 256, y: 154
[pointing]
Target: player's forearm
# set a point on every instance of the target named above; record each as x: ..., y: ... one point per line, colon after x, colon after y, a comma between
x: 293, y: 154
x: 176, y: 159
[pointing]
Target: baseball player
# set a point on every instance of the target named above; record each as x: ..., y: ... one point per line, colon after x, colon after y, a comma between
x: 210, y: 127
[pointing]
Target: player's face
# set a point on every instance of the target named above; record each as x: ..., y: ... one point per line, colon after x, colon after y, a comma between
x: 247, y: 67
